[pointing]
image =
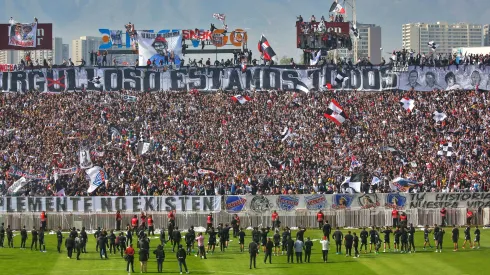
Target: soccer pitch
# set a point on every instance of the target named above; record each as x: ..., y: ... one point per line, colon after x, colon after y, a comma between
x: 464, y: 261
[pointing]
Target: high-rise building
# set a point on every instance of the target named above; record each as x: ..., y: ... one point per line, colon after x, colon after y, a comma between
x: 57, y: 50
x: 81, y: 47
x: 66, y: 52
x: 368, y: 44
x: 416, y: 36
x: 8, y: 57
x: 486, y: 35
x: 14, y: 57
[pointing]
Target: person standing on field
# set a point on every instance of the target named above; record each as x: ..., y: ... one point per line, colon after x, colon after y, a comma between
x: 130, y: 257
x: 338, y: 237
x: 325, y: 247
x: 308, y: 246
x: 269, y: 245
x: 327, y: 229
x: 298, y: 248
x: 455, y: 237
x: 69, y: 244
x: 160, y: 257
x: 319, y: 218
x: 23, y: 237
x: 181, y: 257
x: 253, y: 249
x: 394, y: 216
x: 59, y: 237
x: 348, y: 241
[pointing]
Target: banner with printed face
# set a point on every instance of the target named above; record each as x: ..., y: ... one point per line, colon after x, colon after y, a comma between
x: 259, y: 77
x: 155, y: 46
x: 23, y: 35
x: 111, y: 204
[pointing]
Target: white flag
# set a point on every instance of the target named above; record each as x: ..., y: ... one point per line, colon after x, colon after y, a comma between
x: 85, y: 161
x: 143, y: 148
x: 375, y: 181
x: 97, y: 177
x: 315, y: 60
x: 17, y: 185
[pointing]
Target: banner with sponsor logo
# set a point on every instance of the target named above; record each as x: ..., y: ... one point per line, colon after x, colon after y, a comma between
x: 289, y: 203
x: 159, y: 47
x: 258, y: 77
x: 111, y: 204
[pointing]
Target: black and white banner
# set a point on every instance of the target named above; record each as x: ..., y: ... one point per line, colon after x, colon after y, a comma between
x: 111, y: 204
x: 258, y: 77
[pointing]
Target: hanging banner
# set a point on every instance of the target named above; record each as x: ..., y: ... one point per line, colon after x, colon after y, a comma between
x: 154, y: 46
x: 15, y: 37
x: 111, y: 204
x: 23, y: 35
x: 289, y: 203
x: 233, y: 78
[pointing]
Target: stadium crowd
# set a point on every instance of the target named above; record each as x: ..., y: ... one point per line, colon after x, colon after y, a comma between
x: 241, y: 148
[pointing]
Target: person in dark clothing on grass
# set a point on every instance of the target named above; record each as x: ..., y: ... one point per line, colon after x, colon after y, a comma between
x: 34, y: 234
x: 181, y: 256
x: 290, y: 249
x: 338, y: 237
x: 59, y: 237
x: 269, y: 245
x: 348, y: 241
x: 69, y: 244
x: 102, y: 243
x: 23, y: 237
x: 122, y: 243
x: 176, y: 237
x: 308, y: 246
x: 42, y: 244
x: 160, y: 257
x: 327, y: 229
x: 253, y: 249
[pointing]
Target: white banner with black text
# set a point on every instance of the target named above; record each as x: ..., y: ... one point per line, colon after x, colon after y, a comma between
x: 384, y: 78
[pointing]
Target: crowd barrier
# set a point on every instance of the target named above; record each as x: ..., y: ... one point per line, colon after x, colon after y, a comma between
x: 343, y: 210
x: 342, y: 218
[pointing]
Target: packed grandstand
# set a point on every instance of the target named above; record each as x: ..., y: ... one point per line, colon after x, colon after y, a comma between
x: 262, y: 142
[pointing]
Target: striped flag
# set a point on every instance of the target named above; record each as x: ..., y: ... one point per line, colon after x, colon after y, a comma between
x: 241, y: 99
x: 335, y: 113
x: 266, y: 49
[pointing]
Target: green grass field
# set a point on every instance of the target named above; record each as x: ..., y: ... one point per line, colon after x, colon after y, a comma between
x: 469, y: 261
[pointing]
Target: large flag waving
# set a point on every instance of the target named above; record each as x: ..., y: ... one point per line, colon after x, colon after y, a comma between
x: 266, y: 49
x: 97, y: 177
x: 335, y: 113
x: 402, y: 185
x: 241, y: 99
x: 353, y: 183
x: 16, y: 186
x: 407, y: 104
x: 336, y: 7
x: 315, y: 60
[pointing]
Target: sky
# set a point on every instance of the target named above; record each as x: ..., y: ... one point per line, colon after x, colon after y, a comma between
x: 273, y: 18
